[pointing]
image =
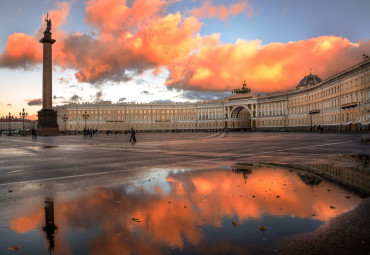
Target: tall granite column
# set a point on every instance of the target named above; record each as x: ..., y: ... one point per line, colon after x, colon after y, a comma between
x: 47, y: 117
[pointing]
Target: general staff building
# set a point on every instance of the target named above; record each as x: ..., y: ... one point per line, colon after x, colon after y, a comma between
x: 339, y: 103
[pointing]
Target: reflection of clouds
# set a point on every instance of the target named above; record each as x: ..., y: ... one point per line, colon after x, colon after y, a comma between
x: 193, y: 198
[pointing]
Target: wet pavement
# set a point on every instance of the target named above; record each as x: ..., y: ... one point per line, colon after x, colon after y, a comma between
x: 183, y: 193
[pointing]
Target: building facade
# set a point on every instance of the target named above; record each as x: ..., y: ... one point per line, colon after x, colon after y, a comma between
x: 339, y: 103
x: 16, y: 124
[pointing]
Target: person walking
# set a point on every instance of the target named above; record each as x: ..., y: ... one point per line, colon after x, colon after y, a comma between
x: 34, y: 134
x: 132, y: 138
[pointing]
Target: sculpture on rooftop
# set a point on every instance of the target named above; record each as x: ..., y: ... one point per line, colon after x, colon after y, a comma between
x: 243, y: 90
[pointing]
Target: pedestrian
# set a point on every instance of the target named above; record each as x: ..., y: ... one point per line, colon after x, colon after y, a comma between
x: 34, y: 134
x: 132, y: 138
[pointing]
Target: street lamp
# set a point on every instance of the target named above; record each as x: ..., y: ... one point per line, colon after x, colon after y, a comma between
x: 64, y: 118
x: 9, y: 118
x: 23, y: 115
x: 85, y: 116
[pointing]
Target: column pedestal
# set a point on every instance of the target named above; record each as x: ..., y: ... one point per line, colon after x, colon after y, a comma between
x: 47, y: 124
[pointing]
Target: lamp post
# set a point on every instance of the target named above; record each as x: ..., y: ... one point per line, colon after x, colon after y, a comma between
x: 85, y: 116
x: 64, y: 118
x: 9, y: 118
x: 23, y: 115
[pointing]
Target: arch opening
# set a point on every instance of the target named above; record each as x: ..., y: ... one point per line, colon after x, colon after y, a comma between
x: 240, y: 118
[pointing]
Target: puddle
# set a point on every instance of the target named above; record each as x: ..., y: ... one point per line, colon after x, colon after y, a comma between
x: 240, y: 209
x: 352, y: 171
x: 49, y: 146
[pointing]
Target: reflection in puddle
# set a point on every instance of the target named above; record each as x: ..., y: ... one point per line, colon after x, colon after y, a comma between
x: 352, y: 171
x: 189, y: 212
x: 49, y: 227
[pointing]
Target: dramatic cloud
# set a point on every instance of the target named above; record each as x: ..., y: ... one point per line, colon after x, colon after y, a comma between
x: 37, y: 101
x: 266, y: 68
x: 135, y: 36
x: 145, y: 92
x: 76, y: 98
x: 162, y: 101
x: 21, y: 50
x: 122, y: 99
x: 221, y: 11
x: 24, y: 51
x: 204, y: 96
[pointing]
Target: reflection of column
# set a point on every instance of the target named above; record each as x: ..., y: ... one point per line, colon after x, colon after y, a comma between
x: 49, y: 227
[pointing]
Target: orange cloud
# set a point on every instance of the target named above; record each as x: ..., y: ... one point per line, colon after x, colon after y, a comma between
x: 25, y: 224
x: 132, y: 38
x: 21, y: 50
x: 221, y: 11
x: 266, y: 68
x: 24, y: 51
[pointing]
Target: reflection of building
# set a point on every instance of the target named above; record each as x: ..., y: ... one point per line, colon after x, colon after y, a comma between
x: 352, y: 171
x: 309, y: 179
x: 49, y: 227
x: 243, y: 168
x: 339, y: 103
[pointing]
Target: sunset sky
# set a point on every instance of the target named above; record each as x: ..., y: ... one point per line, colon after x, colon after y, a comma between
x: 173, y: 50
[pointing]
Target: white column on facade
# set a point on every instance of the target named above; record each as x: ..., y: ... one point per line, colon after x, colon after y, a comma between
x: 228, y: 112
x: 208, y: 117
x: 286, y: 108
x: 268, y: 109
x: 257, y: 110
x: 280, y: 108
x: 252, y: 110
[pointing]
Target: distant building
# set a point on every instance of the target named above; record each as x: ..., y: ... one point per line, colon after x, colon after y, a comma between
x: 15, y: 124
x: 339, y: 103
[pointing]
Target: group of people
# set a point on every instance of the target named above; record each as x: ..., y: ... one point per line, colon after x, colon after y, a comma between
x: 90, y: 132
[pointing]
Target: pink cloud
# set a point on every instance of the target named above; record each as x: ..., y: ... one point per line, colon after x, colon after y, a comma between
x: 207, y: 9
x: 143, y: 36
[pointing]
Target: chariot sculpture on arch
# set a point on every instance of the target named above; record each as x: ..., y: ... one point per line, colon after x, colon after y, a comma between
x: 48, y: 23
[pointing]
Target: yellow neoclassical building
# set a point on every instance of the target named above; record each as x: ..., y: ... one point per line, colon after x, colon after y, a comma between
x: 339, y: 103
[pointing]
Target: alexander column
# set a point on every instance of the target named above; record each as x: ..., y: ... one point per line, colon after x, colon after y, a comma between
x: 47, y: 123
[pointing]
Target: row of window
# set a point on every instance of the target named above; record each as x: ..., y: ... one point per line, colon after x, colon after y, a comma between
x: 330, y: 91
x: 147, y: 126
x: 325, y: 119
x: 117, y: 112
